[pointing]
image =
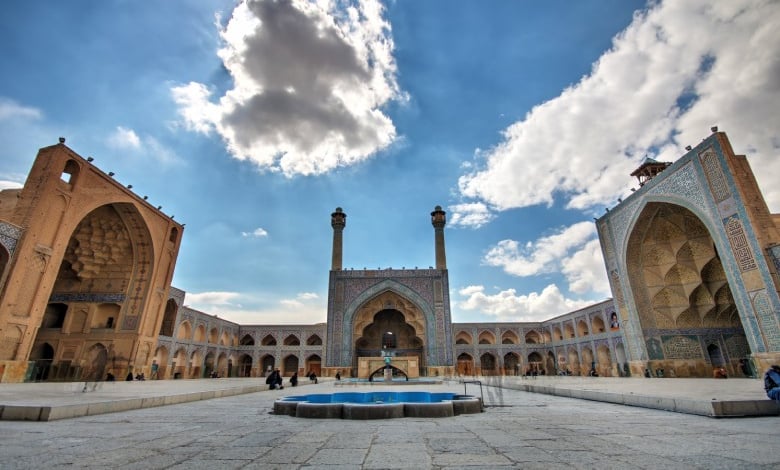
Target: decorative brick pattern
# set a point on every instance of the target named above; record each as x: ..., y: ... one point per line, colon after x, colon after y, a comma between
x: 767, y: 319
x: 714, y: 173
x: 9, y: 236
x: 739, y: 243
x: 682, y: 347
x: 95, y: 297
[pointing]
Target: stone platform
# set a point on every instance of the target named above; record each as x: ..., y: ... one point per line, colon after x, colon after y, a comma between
x: 705, y: 397
x: 717, y: 398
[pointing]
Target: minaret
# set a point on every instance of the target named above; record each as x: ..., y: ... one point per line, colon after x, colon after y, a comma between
x: 338, y: 220
x: 439, y: 220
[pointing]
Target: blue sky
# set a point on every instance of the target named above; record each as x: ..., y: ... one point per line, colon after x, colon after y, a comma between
x: 251, y: 122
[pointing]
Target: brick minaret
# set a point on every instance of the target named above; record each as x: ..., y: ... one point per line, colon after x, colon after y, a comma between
x: 338, y: 220
x: 439, y: 220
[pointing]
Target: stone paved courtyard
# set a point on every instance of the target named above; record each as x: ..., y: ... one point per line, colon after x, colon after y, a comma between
x: 528, y: 431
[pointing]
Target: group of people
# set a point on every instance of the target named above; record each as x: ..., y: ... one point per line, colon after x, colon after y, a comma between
x: 275, y: 380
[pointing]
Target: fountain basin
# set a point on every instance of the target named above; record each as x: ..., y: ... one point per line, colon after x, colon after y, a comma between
x: 377, y: 405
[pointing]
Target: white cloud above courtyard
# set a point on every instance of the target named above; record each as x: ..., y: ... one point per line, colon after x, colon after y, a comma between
x: 677, y: 70
x: 259, y: 232
x: 257, y: 309
x: 309, y: 84
x: 10, y: 109
x: 508, y: 305
x: 146, y: 147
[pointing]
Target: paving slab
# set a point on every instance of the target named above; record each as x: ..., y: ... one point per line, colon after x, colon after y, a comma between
x: 718, y: 398
x: 522, y: 430
x: 705, y: 397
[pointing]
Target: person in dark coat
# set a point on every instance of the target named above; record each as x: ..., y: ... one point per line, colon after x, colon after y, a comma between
x: 275, y: 380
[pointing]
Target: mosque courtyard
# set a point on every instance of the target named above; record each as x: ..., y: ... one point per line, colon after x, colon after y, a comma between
x: 519, y: 430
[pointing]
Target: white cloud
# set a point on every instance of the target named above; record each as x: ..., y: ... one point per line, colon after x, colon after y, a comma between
x: 506, y: 305
x: 124, y: 138
x: 473, y: 214
x: 585, y: 270
x: 256, y: 233
x: 306, y: 308
x: 679, y: 68
x: 573, y: 251
x: 147, y: 146
x: 204, y: 300
x: 194, y: 107
x: 10, y: 109
x: 4, y: 184
x: 300, y: 301
x: 541, y: 256
x: 309, y: 85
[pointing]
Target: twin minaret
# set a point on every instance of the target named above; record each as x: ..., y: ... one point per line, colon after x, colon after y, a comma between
x: 338, y: 220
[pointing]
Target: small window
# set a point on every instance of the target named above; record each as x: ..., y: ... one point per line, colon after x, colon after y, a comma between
x: 110, y: 322
x: 69, y: 173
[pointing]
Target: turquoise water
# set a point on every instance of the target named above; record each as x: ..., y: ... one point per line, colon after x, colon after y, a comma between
x: 373, y: 397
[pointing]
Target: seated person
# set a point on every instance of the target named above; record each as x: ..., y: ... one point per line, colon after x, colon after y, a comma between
x: 772, y: 383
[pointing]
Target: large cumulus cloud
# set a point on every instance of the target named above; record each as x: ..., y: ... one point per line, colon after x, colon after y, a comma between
x: 678, y: 69
x: 309, y: 83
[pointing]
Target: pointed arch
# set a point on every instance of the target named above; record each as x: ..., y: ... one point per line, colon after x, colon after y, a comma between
x: 169, y: 318
x: 597, y: 324
x: 533, y: 337
x: 511, y: 364
x: 268, y: 340
x: 185, y: 331
x: 582, y: 328
x: 387, y: 285
x: 292, y: 340
x: 314, y: 340
x: 247, y: 340
x: 314, y: 364
x: 200, y: 334
x: 290, y: 364
x: 487, y: 337
x: 488, y: 364
x: 267, y: 364
x: 463, y: 337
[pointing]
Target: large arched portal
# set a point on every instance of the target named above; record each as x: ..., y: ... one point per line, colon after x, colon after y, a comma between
x: 389, y: 325
x: 681, y: 292
x: 389, y: 334
x: 100, y: 289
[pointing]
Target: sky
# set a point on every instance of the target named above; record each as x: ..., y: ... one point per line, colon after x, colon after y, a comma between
x: 251, y: 122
